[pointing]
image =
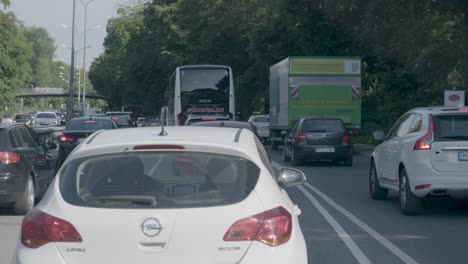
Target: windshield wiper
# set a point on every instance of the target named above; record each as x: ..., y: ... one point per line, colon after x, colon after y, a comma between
x: 137, y: 199
x: 456, y: 137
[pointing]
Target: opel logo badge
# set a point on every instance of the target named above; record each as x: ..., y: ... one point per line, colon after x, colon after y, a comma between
x: 151, y: 227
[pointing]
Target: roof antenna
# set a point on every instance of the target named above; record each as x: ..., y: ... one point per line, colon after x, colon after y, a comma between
x: 163, y: 119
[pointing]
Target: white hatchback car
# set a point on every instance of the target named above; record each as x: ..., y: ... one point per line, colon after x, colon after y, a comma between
x: 140, y: 196
x: 262, y: 125
x: 424, y: 154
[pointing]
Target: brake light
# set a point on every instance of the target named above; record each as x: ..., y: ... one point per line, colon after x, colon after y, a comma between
x: 422, y: 186
x: 114, y: 118
x: 463, y: 109
x: 147, y: 147
x: 272, y: 227
x: 66, y: 138
x: 300, y: 138
x: 90, y: 121
x: 209, y: 118
x: 9, y: 157
x: 425, y: 142
x: 346, y: 138
x: 39, y: 228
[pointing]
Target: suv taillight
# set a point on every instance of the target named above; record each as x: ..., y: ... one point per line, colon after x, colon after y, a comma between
x: 9, y: 157
x: 425, y: 142
x: 39, y: 228
x: 272, y: 227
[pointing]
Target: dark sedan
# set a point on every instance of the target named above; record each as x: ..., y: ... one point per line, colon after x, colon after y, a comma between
x: 78, y: 129
x: 317, y: 139
x: 24, y: 118
x: 26, y: 167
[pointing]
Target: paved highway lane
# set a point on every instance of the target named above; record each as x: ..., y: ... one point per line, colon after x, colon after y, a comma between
x: 372, y: 231
x: 343, y: 225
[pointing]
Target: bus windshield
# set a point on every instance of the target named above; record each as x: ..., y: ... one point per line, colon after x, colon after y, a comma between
x: 204, y: 90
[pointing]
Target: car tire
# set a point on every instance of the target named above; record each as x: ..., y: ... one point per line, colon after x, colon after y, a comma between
x: 349, y: 161
x: 410, y: 204
x: 26, y: 202
x: 295, y: 160
x: 286, y: 158
x: 376, y: 192
x: 274, y: 145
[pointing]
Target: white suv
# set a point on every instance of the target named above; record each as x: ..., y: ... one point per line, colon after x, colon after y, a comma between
x: 424, y: 154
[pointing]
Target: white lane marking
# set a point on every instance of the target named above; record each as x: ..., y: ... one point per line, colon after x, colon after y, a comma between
x: 389, y: 245
x: 382, y: 240
x: 349, y: 242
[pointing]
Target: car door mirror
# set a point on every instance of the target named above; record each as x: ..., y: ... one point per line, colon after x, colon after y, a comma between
x: 379, y: 135
x: 291, y: 177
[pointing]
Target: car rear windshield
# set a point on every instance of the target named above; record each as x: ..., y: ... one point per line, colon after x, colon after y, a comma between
x: 451, y: 127
x: 45, y: 115
x: 261, y: 119
x: 322, y: 125
x: 158, y: 180
x: 121, y: 120
x: 22, y: 117
x: 92, y: 124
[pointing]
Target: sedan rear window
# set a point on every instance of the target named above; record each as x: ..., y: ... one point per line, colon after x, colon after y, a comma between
x: 261, y: 119
x: 451, y: 127
x: 322, y: 125
x: 45, y: 115
x: 91, y: 124
x: 158, y: 180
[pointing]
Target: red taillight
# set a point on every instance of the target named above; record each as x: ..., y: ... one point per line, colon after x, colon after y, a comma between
x: 90, y: 121
x: 39, y: 228
x: 272, y: 227
x: 181, y: 119
x: 425, y: 142
x: 9, y: 157
x: 422, y: 186
x: 301, y: 138
x: 115, y: 118
x: 346, y: 138
x: 66, y: 139
x: 463, y: 109
x: 209, y: 118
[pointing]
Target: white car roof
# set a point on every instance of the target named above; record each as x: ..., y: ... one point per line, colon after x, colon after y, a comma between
x: 440, y: 109
x: 241, y: 140
x: 46, y: 113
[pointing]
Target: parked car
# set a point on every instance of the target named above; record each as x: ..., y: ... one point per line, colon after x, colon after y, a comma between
x: 424, y: 154
x: 262, y: 126
x: 78, y: 129
x: 154, y: 189
x: 203, y: 118
x: 228, y: 124
x: 7, y: 119
x: 152, y: 121
x: 25, y: 118
x: 45, y: 119
x: 26, y: 167
x: 318, y: 138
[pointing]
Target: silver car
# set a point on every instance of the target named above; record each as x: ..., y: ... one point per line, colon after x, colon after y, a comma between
x: 45, y: 119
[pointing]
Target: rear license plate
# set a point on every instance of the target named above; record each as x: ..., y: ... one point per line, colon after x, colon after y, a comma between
x: 324, y: 149
x: 463, y: 156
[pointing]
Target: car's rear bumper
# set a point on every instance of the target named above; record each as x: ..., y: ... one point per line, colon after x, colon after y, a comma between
x: 313, y: 151
x: 421, y: 174
x: 11, y: 188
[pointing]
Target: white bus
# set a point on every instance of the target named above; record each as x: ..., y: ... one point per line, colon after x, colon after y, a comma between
x: 199, y: 90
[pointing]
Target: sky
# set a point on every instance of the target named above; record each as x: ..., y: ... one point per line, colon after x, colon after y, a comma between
x: 51, y: 14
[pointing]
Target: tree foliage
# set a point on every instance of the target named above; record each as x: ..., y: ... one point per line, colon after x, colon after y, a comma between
x: 407, y: 47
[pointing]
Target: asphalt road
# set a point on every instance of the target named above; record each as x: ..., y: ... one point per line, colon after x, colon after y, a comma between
x: 343, y: 225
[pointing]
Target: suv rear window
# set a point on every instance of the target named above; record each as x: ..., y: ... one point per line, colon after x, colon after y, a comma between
x: 89, y: 124
x: 158, y: 180
x: 322, y: 125
x: 261, y: 119
x: 451, y: 127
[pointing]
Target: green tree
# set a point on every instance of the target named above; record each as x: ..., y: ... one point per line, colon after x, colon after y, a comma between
x: 43, y: 52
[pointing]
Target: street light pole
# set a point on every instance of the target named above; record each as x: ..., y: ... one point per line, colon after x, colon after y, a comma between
x: 85, y: 4
x: 72, y: 69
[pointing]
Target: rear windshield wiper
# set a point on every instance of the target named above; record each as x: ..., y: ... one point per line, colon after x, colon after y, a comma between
x: 137, y: 199
x: 456, y: 137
